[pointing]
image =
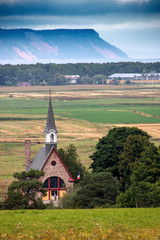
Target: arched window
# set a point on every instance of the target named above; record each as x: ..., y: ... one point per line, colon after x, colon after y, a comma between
x: 54, y: 186
x: 45, y: 185
x: 52, y: 137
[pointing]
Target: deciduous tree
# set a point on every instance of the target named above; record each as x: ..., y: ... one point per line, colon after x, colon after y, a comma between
x: 131, y: 156
x: 109, y: 148
x: 95, y: 190
x: 72, y: 161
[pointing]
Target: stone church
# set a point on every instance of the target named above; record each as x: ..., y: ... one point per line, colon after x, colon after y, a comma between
x: 57, y: 177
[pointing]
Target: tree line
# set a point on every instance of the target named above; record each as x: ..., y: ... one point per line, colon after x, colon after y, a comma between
x: 54, y: 74
x: 125, y: 172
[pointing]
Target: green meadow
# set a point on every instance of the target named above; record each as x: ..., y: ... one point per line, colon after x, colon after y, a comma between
x: 32, y: 222
x: 113, y: 110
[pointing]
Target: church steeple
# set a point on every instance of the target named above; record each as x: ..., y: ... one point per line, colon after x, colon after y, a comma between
x: 50, y: 129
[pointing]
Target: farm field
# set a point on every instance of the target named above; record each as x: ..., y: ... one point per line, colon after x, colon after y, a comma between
x: 80, y: 224
x: 114, y: 110
x: 83, y: 114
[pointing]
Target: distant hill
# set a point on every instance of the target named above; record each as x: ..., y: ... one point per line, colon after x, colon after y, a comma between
x: 60, y: 44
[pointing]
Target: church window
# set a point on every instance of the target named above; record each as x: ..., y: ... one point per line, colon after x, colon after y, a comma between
x: 54, y: 185
x: 45, y: 185
x: 54, y: 182
x: 53, y: 163
x: 52, y: 137
x: 61, y: 183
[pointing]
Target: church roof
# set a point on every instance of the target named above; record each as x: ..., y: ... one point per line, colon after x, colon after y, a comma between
x: 50, y: 125
x: 40, y: 158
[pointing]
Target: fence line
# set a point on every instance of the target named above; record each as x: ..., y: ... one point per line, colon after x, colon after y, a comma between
x: 20, y: 141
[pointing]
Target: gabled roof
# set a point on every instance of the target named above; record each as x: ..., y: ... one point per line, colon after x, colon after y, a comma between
x: 41, y: 158
x: 50, y: 125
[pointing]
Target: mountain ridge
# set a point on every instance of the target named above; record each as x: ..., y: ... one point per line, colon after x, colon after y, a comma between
x: 55, y: 44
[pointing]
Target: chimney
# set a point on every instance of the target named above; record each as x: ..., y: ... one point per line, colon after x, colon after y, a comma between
x: 27, y: 153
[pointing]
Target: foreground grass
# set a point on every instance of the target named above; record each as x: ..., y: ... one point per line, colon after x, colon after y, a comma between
x: 80, y: 224
x: 96, y: 234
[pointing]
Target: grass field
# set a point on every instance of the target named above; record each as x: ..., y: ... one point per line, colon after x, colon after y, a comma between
x: 83, y: 114
x: 111, y: 110
x: 94, y: 224
x: 92, y: 110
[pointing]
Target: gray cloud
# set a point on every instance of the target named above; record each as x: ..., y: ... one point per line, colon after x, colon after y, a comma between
x: 129, y: 24
x: 79, y: 8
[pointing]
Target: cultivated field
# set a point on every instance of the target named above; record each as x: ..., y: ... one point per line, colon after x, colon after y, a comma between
x: 83, y: 114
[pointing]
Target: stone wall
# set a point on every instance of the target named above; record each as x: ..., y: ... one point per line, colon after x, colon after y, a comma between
x: 57, y: 170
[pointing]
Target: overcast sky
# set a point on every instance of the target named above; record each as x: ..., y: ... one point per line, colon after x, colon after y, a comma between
x: 131, y: 25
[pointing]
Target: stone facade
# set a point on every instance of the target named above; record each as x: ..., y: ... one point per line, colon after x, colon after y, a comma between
x: 57, y: 173
x: 58, y: 170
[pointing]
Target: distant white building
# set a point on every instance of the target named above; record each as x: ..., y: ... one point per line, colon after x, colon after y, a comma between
x: 72, y: 78
x: 135, y: 76
x: 154, y: 76
x: 123, y: 76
